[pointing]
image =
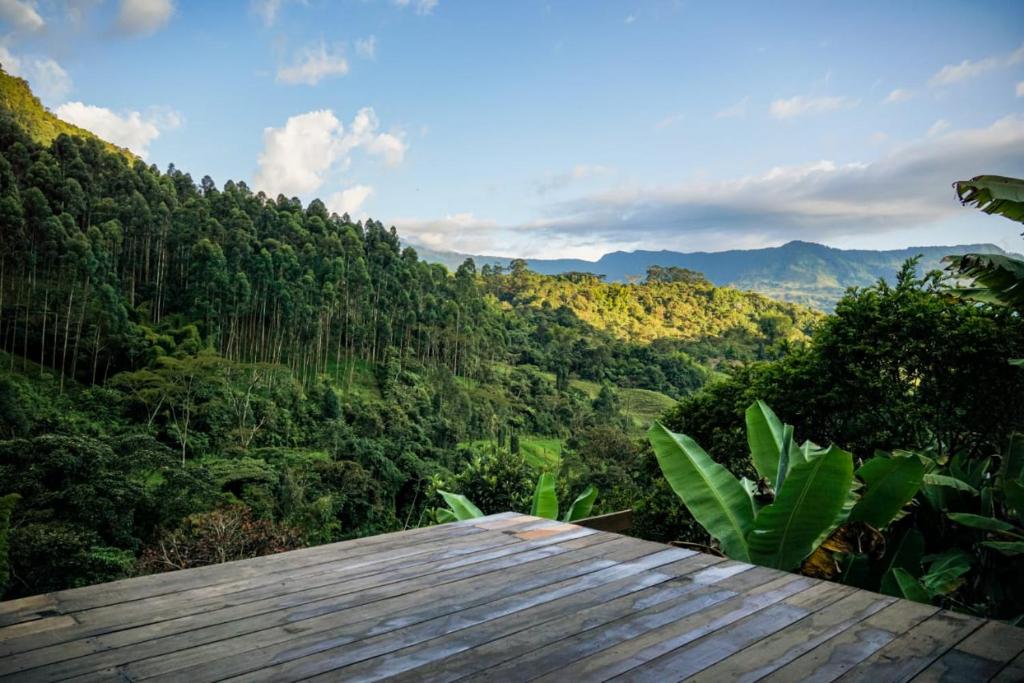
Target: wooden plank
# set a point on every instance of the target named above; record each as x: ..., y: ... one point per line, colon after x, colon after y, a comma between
x: 516, y: 611
x: 91, y: 651
x: 979, y: 657
x: 460, y: 653
x: 115, y: 592
x: 784, y: 646
x: 313, y: 654
x: 613, y: 521
x: 274, y: 584
x: 622, y: 656
x: 560, y: 652
x: 831, y: 659
x: 713, y: 648
x: 915, y: 650
x: 1012, y: 672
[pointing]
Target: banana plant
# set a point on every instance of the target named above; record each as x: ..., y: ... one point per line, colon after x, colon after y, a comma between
x: 812, y: 490
x: 544, y: 504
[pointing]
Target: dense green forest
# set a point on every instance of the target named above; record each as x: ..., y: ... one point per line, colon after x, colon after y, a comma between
x: 181, y: 360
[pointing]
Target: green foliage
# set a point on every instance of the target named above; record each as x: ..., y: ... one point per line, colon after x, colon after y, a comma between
x: 897, y: 366
x: 814, y: 491
x: 545, y: 502
x: 713, y: 496
x: 7, y: 504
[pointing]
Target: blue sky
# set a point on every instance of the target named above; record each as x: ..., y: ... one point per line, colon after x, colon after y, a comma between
x: 560, y: 128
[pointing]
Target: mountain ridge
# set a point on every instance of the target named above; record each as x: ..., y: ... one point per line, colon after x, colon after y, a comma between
x: 798, y: 271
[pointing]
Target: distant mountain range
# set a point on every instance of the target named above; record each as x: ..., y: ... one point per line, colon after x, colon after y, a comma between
x: 801, y: 272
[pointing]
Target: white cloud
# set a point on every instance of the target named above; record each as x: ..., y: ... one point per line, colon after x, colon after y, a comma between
x: 906, y: 189
x: 801, y: 105
x: 898, y: 95
x: 967, y: 69
x: 297, y: 157
x: 314, y: 65
x: 21, y: 14
x: 669, y: 121
x: 48, y: 79
x: 737, y: 110
x: 130, y: 129
x: 349, y: 200
x: 420, y: 6
x: 1020, y: 89
x: 630, y: 19
x: 367, y: 47
x: 142, y: 17
x: 938, y: 127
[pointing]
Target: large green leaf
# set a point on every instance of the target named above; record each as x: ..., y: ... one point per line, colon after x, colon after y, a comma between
x: 981, y: 522
x: 545, y: 501
x: 945, y: 575
x: 933, y: 479
x: 909, y: 587
x: 805, y: 509
x: 711, y: 493
x: 995, y: 278
x: 582, y: 506
x: 764, y: 435
x: 460, y: 506
x: 1006, y: 547
x: 890, y: 483
x: 993, y: 194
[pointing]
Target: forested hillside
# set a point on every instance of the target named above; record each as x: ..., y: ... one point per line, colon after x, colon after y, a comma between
x: 191, y: 372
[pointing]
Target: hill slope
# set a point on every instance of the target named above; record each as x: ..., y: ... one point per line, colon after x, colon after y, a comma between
x: 42, y: 126
x: 801, y: 272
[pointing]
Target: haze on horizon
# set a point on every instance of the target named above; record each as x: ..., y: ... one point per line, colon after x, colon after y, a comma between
x: 552, y: 129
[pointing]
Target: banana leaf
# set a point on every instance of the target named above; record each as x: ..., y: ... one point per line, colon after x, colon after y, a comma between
x: 460, y: 506
x: 984, y: 523
x: 890, y: 483
x: 909, y: 587
x: 805, y: 509
x: 764, y: 436
x: 711, y: 493
x: 545, y: 502
x: 582, y: 506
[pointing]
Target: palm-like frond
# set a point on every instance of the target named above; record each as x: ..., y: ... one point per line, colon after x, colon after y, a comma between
x: 993, y: 194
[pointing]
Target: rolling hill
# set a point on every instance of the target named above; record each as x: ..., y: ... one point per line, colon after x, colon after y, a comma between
x: 801, y: 272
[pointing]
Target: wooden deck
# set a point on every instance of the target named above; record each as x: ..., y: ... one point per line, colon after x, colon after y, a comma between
x: 504, y: 598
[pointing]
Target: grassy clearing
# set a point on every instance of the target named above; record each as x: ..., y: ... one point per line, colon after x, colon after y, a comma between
x: 543, y: 453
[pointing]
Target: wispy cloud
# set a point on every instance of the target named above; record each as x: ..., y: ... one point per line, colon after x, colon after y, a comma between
x: 968, y: 69
x: 367, y: 47
x: 421, y: 7
x: 803, y: 105
x: 1020, y: 89
x: 899, y: 95
x: 669, y: 121
x: 558, y: 181
x: 21, y: 15
x: 142, y: 17
x: 940, y: 126
x: 314, y: 64
x: 737, y: 110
